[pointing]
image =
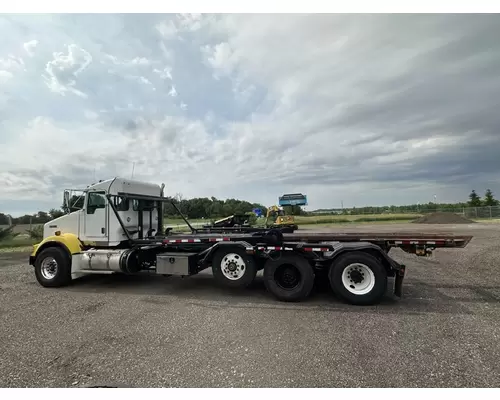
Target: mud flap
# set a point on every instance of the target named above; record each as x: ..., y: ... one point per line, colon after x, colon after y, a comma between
x: 398, y: 282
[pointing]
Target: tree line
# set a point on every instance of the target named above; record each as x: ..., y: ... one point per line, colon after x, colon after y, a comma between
x: 204, y: 207
x: 474, y: 201
x: 213, y: 208
x: 40, y: 217
x: 195, y: 208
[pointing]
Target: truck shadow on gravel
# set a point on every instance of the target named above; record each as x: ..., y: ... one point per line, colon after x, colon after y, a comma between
x: 418, y: 297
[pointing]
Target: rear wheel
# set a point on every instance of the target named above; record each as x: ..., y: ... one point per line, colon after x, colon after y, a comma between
x: 290, y: 278
x: 359, y: 278
x: 233, y: 267
x: 53, y: 267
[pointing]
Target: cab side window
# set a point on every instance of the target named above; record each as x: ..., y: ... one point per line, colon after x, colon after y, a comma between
x: 121, y: 203
x: 95, y: 200
x: 135, y: 205
x: 145, y: 205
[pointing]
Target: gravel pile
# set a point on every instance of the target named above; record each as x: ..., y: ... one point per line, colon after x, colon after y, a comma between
x: 443, y: 218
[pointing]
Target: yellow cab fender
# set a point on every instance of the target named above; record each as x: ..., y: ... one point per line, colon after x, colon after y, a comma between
x: 67, y: 241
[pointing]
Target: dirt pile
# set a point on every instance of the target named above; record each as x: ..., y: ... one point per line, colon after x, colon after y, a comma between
x: 443, y: 218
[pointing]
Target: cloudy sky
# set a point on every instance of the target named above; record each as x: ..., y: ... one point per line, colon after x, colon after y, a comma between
x: 364, y: 109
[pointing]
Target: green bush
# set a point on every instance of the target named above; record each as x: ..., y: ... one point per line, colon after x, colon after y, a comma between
x: 252, y: 218
x: 36, y: 232
x: 7, y: 233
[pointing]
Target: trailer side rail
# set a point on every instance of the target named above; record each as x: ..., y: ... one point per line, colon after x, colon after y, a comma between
x: 414, y: 245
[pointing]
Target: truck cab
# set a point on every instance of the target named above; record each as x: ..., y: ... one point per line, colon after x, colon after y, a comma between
x: 92, y: 212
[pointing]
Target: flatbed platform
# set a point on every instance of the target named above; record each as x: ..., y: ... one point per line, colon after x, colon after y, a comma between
x: 386, y: 240
x: 377, y: 237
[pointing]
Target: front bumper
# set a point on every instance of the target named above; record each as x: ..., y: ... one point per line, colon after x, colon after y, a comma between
x: 33, y: 254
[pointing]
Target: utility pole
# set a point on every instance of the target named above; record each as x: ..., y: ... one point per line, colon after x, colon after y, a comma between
x: 133, y: 167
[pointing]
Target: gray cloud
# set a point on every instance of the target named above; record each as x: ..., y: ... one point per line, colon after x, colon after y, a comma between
x: 334, y: 105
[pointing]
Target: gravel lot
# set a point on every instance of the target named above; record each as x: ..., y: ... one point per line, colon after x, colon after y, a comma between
x: 156, y: 331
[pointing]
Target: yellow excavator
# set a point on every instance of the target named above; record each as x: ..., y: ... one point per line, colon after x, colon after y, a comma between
x: 276, y: 218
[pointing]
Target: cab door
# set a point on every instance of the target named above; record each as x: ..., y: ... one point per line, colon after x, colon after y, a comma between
x: 96, y: 217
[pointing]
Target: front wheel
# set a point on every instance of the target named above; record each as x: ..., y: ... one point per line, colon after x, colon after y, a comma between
x: 53, y: 267
x: 359, y: 278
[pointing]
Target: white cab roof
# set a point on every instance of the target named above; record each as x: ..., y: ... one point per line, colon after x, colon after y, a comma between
x: 116, y: 185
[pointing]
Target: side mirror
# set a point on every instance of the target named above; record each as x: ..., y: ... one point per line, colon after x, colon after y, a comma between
x: 66, y: 198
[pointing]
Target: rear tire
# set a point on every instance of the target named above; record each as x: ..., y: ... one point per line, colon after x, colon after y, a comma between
x: 290, y: 278
x: 358, y: 278
x: 233, y: 267
x: 53, y: 267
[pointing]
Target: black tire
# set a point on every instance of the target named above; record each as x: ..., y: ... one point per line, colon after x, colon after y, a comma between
x: 289, y: 278
x: 62, y: 270
x: 236, y: 255
x: 347, y: 260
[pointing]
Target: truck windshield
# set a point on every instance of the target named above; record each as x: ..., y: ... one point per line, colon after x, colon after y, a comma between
x: 76, y: 200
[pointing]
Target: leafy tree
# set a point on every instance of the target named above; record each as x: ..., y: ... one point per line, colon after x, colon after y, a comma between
x: 54, y: 213
x: 4, y: 220
x: 293, y: 210
x: 204, y: 207
x: 489, y: 200
x: 474, y: 199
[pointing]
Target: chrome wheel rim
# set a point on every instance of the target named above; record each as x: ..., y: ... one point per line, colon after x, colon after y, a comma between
x: 233, y: 267
x: 49, y: 268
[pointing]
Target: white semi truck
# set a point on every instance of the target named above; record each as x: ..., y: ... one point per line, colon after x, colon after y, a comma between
x: 119, y: 229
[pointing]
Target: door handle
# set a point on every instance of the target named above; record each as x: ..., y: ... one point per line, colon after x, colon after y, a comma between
x: 103, y: 230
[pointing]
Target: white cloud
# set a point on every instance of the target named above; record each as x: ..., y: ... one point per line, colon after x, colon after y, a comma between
x: 5, y: 76
x: 128, y: 107
x: 166, y: 73
x: 221, y: 57
x: 190, y: 21
x: 12, y: 63
x: 145, y: 80
x: 173, y: 28
x: 177, y: 142
x: 30, y: 46
x: 140, y: 61
x: 91, y: 115
x: 173, y: 92
x: 167, y: 29
x: 63, y: 70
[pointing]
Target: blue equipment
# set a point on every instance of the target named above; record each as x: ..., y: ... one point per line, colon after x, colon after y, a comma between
x: 257, y: 212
